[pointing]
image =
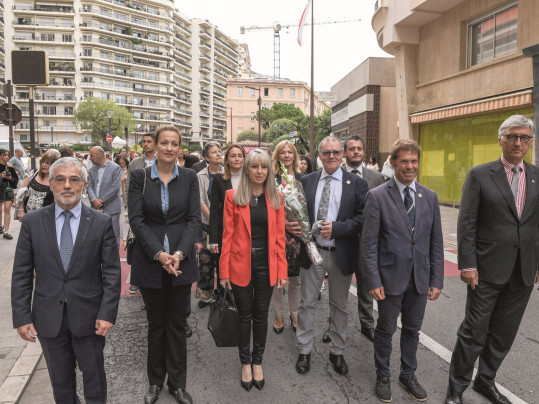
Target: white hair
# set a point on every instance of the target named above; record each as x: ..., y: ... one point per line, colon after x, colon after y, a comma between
x: 55, y: 152
x: 68, y: 162
x: 516, y: 121
x: 327, y: 139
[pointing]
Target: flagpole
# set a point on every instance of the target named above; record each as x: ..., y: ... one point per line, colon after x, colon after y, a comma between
x: 311, y: 120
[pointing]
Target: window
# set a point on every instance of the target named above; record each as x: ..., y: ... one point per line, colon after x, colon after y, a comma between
x: 67, y: 38
x: 24, y: 137
x: 240, y: 91
x: 120, y: 99
x: 47, y: 37
x: 252, y: 92
x: 68, y: 110
x: 493, y: 35
x: 292, y: 93
x: 105, y: 55
x: 88, y: 94
x: 280, y: 92
x: 48, y: 122
x: 252, y: 116
x: 87, y: 52
x: 87, y: 38
x: 267, y: 106
x: 266, y: 91
x: 49, y: 109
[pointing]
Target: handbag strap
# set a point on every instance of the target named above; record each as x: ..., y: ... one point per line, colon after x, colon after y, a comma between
x: 144, y: 186
x: 228, y: 293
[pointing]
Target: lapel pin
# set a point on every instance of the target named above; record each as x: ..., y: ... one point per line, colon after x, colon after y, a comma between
x: 420, y: 195
x: 533, y: 181
x: 348, y: 182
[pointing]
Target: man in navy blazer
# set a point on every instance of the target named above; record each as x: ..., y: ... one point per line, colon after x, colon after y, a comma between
x: 402, y: 247
x: 73, y: 304
x: 337, y: 238
x: 104, y: 187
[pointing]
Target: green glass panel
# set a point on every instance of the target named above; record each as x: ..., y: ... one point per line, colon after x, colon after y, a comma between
x: 450, y: 148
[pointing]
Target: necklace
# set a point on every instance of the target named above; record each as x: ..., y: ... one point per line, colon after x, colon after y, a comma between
x: 256, y: 196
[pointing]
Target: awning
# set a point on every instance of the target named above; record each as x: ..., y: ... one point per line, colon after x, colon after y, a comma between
x: 475, y: 107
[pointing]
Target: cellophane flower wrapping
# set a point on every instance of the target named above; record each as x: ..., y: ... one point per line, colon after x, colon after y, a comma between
x: 295, y: 206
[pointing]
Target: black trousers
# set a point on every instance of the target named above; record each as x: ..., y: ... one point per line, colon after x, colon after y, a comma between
x: 253, y: 303
x: 364, y: 301
x: 491, y: 320
x: 63, y: 352
x: 412, y: 306
x: 167, y: 345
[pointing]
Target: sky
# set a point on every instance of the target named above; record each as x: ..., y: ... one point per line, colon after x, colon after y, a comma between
x: 339, y: 47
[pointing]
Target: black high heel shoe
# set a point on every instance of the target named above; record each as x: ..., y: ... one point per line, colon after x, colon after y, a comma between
x: 246, y: 385
x: 277, y: 330
x: 259, y: 384
x: 292, y: 324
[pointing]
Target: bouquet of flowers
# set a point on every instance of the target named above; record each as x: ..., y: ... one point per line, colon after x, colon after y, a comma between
x: 295, y: 206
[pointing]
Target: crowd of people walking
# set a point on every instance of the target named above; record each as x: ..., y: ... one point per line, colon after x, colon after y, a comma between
x: 222, y: 222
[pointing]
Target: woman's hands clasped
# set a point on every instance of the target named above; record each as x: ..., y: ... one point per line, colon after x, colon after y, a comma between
x: 171, y: 263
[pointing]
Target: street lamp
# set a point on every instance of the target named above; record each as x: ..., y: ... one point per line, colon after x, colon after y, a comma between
x: 110, y: 114
x: 259, y: 112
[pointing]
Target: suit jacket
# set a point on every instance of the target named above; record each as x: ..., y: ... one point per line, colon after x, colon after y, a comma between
x: 489, y: 232
x: 91, y: 285
x: 109, y: 191
x: 217, y: 205
x: 391, y: 249
x: 149, y: 224
x: 346, y: 229
x: 373, y: 178
x: 235, y: 262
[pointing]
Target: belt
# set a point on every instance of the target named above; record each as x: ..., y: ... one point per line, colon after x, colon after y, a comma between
x: 255, y: 249
x: 326, y: 248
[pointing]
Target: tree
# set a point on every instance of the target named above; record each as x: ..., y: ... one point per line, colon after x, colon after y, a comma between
x: 278, y: 128
x: 281, y: 110
x: 247, y: 135
x: 92, y: 115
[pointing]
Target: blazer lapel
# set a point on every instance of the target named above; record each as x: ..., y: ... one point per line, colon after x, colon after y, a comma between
x: 397, y: 199
x: 271, y: 218
x: 500, y: 179
x: 245, y: 213
x: 419, y: 205
x: 531, y: 191
x: 49, y: 223
x: 345, y: 192
x: 84, y: 228
x: 310, y: 193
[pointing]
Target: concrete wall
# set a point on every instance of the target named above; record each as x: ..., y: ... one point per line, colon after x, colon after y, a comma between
x: 389, y: 131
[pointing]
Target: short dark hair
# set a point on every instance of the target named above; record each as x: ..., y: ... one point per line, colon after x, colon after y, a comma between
x: 406, y: 145
x: 189, y: 161
x: 121, y: 157
x: 149, y: 134
x: 353, y: 137
x: 66, y: 152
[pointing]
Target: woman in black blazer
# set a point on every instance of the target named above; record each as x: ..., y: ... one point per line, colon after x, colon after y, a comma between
x: 234, y: 156
x: 164, y: 214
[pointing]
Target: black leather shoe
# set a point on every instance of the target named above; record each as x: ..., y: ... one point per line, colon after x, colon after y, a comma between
x: 247, y: 385
x: 278, y: 330
x: 383, y: 389
x: 152, y: 394
x: 326, y: 338
x: 490, y: 392
x: 259, y: 384
x: 339, y: 364
x: 182, y: 396
x: 188, y: 331
x: 303, y: 365
x: 453, y: 397
x: 412, y: 386
x: 369, y: 333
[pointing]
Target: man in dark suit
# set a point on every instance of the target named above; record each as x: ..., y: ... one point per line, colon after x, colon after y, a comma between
x: 498, y: 236
x: 402, y: 246
x: 74, y: 302
x: 104, y: 187
x: 354, y: 151
x: 335, y: 200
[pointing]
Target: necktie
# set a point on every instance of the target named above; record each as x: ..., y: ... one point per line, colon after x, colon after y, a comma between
x: 66, y: 240
x: 410, y: 207
x: 357, y: 172
x: 323, y: 206
x: 514, y: 183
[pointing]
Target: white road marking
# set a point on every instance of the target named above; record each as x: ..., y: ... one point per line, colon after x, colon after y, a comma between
x: 451, y: 257
x: 442, y: 351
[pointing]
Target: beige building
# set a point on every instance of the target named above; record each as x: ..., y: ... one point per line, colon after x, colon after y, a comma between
x: 367, y: 106
x: 242, y: 100
x: 460, y: 71
x: 144, y: 55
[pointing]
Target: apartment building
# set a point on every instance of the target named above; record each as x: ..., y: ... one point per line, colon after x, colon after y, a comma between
x: 460, y: 72
x: 242, y: 100
x: 144, y: 55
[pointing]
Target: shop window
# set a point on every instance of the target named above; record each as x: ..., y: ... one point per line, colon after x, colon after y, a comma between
x: 493, y: 35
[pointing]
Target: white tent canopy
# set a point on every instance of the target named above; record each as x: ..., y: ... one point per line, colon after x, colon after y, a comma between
x: 118, y: 142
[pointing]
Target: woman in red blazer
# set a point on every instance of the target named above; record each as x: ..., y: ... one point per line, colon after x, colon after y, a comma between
x: 253, y: 257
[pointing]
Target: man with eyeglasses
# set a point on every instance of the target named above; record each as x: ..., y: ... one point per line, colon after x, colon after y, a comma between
x: 335, y: 201
x: 73, y: 303
x: 498, y: 234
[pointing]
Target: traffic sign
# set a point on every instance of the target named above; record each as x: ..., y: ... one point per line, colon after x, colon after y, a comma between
x: 4, y: 114
x: 109, y: 138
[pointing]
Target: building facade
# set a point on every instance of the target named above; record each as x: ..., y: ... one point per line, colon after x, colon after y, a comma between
x: 144, y: 55
x: 242, y: 100
x: 460, y: 71
x: 366, y: 106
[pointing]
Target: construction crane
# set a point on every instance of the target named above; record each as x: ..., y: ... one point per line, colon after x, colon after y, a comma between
x: 277, y: 27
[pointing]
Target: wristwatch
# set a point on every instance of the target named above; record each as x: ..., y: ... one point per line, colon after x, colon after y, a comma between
x: 180, y: 254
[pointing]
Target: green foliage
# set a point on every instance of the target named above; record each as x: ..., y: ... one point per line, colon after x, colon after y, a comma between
x: 136, y: 41
x: 278, y: 128
x: 92, y: 115
x: 247, y: 135
x: 79, y: 147
x: 192, y: 147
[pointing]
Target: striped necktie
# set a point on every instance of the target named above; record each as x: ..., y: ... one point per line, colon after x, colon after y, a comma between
x: 410, y: 206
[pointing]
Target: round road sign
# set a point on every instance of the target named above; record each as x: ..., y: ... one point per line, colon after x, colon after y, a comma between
x: 109, y: 138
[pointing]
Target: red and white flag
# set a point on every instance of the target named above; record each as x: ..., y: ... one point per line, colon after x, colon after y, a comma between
x: 303, y: 21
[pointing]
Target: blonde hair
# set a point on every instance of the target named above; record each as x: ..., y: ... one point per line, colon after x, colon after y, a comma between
x: 243, y: 193
x: 278, y: 149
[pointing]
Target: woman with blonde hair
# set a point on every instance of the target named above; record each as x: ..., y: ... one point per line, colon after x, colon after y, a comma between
x: 285, y: 152
x: 253, y: 257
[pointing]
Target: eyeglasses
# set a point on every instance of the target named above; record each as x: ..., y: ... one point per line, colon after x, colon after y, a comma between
x: 72, y: 180
x: 326, y: 153
x: 523, y: 139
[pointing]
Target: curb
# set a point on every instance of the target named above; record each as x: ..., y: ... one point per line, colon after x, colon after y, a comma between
x: 17, y: 380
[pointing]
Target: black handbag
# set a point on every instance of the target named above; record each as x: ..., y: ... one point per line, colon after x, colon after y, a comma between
x: 224, y: 320
x: 130, y: 242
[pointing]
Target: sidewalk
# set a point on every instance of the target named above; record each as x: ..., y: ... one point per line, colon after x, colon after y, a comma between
x: 19, y: 361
